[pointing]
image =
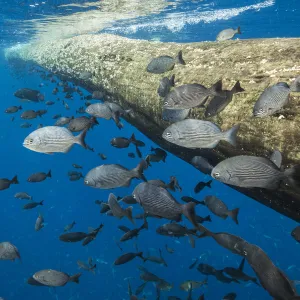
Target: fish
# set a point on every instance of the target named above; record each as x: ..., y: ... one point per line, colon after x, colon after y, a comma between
x: 75, y: 177
x: 124, y: 228
x: 296, y: 234
x: 30, y: 114
x: 272, y: 100
x: 193, y: 134
x: 202, y: 220
x: 77, y: 166
x: 193, y: 284
x: 38, y: 177
x: 193, y: 264
x: 86, y: 75
x: 32, y: 205
x: 140, y: 288
x: 5, y: 183
x: 32, y: 281
x: 29, y: 94
x: 162, y: 64
x: 130, y: 234
x: 69, y: 226
x: 55, y: 278
x: 252, y: 171
x: 25, y: 125
x: 82, y: 123
x: 165, y: 85
x: 39, y: 224
x: 125, y: 258
x: 238, y: 273
x: 138, y: 152
x: 230, y: 296
x: 202, y: 164
x: 191, y: 95
x: 222, y: 278
x: 53, y: 139
x: 227, y: 34
x: 206, y: 269
x: 102, y: 156
x: 219, y: 208
x: 201, y: 185
x: 219, y: 103
x: 13, y: 109
x: 159, y: 260
x: 132, y: 155
x: 175, y: 230
x: 73, y: 237
x: 55, y: 117
x: 113, y: 176
x: 8, y: 251
x: 188, y: 199
x: 92, y: 235
x: 122, y: 142
x: 175, y: 115
x: 117, y: 210
x: 148, y: 276
x: 157, y: 201
x: 169, y: 250
x: 163, y: 285
x: 84, y: 266
x: 23, y: 195
x: 63, y: 121
x: 49, y: 102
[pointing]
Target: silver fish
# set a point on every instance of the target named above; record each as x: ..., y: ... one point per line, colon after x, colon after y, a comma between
x: 23, y: 195
x: 191, y: 95
x: 174, y: 115
x: 52, y: 139
x: 194, y: 134
x: 228, y: 34
x: 165, y: 85
x: 252, y: 171
x: 8, y: 251
x: 117, y: 210
x: 39, y: 224
x: 63, y: 121
x: 113, y: 176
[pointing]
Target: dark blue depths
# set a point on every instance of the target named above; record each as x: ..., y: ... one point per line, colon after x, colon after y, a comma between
x: 66, y: 201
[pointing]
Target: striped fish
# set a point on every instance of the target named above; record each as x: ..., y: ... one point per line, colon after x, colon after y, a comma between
x: 117, y: 210
x: 194, y: 134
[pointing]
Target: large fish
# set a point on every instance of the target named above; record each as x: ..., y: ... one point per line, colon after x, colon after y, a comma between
x: 252, y: 171
x: 194, y: 134
x: 113, y: 176
x: 51, y: 139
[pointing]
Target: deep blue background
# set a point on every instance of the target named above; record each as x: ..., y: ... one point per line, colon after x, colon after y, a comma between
x: 67, y: 201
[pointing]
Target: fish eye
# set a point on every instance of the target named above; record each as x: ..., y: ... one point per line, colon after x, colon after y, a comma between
x: 166, y: 103
x: 86, y: 182
x: 261, y: 110
x: 216, y: 175
x: 168, y: 135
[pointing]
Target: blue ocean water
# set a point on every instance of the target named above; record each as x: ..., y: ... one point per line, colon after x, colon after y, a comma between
x: 66, y: 201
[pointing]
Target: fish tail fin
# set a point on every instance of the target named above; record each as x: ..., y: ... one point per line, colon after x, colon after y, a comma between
x: 254, y: 280
x: 42, y: 202
x: 241, y: 266
x: 94, y: 121
x: 230, y: 135
x: 139, y: 170
x: 145, y: 224
x: 140, y: 254
x: 147, y: 159
x: 75, y: 278
x: 238, y: 31
x: 207, y: 219
x: 132, y: 139
x: 216, y: 89
x: 171, y: 185
x: 188, y: 211
x: 80, y: 139
x: 293, y: 176
x: 14, y: 180
x: 49, y: 174
x: 179, y: 58
x: 234, y: 214
x: 128, y: 211
x: 172, y: 83
x: 237, y: 88
x: 208, y: 183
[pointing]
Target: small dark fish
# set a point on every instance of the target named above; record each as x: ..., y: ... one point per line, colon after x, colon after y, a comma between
x: 169, y: 250
x: 117, y: 210
x: 38, y: 177
x: 26, y: 125
x: 49, y: 103
x: 73, y: 237
x: 164, y: 64
x: 77, y: 166
x: 92, y: 235
x: 138, y: 152
x: 165, y: 85
x: 102, y: 156
x: 8, y: 251
x: 75, y: 177
x: 201, y: 185
x: 296, y: 234
x: 5, y: 183
x: 69, y: 226
x: 125, y: 258
x: 188, y: 199
x: 124, y: 228
x: 175, y: 230
x: 28, y: 94
x: 160, y: 153
x: 228, y: 34
x: 148, y: 276
x: 202, y: 164
x: 55, y: 91
x: 23, y: 195
x: 82, y: 123
x: 122, y: 142
x: 174, y: 115
x: 202, y: 220
x: 158, y: 260
x: 41, y: 112
x: 140, y: 288
x: 192, y: 284
x: 206, y: 269
x: 84, y: 266
x: 81, y: 110
x: 218, y: 103
x: 30, y: 114
x: 219, y: 208
x: 222, y: 278
x: 230, y: 296
x: 39, y: 224
x: 55, y: 278
x: 56, y: 116
x: 128, y: 199
x: 131, y: 155
x: 32, y: 205
x: 193, y: 264
x: 163, y: 285
x: 13, y: 109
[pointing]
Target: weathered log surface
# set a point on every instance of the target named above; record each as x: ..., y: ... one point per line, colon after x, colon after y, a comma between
x: 119, y: 65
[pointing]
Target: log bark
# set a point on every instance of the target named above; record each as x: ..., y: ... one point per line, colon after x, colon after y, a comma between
x: 119, y: 68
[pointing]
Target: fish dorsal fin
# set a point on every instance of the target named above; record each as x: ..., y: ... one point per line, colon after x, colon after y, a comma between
x: 241, y: 267
x: 276, y: 158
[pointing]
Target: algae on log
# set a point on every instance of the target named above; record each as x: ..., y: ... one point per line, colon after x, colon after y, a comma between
x: 119, y: 65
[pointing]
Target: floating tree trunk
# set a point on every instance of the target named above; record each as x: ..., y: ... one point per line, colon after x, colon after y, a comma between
x: 119, y: 68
